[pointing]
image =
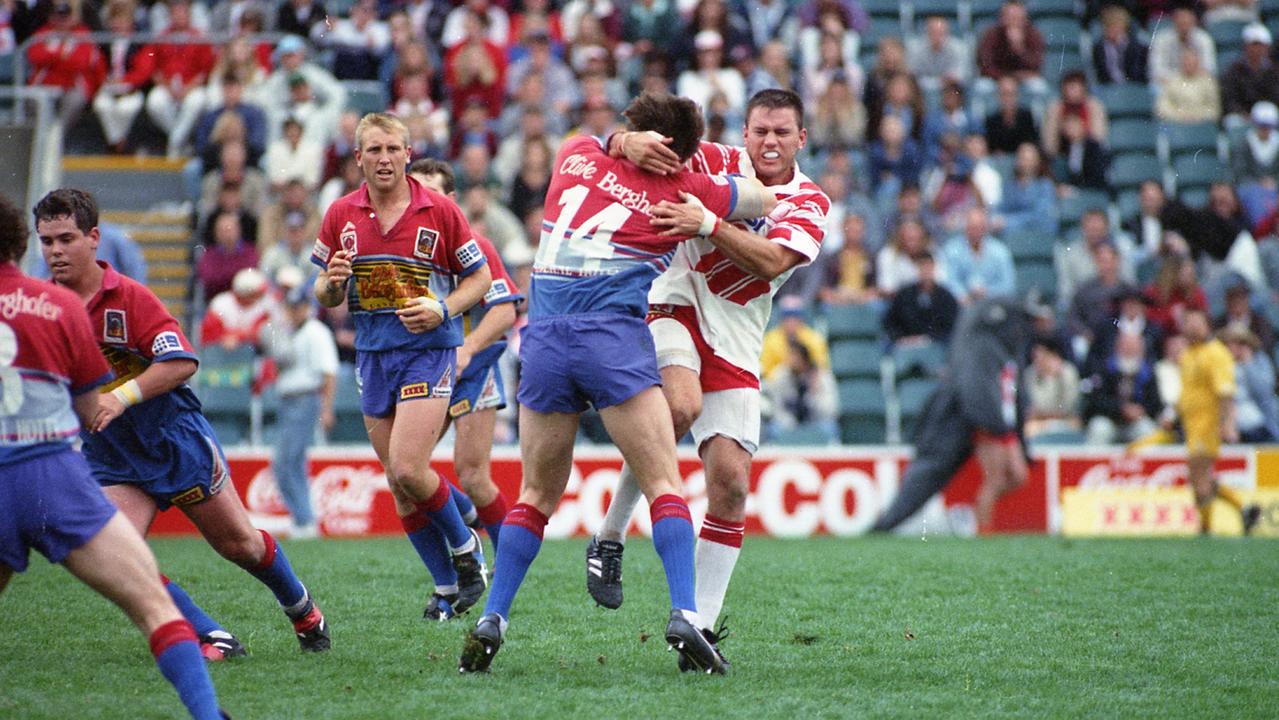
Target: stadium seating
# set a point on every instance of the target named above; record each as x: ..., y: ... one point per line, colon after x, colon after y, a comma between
x: 1029, y: 245
x: 1064, y: 9
x: 1130, y: 171
x: 1226, y: 35
x: 1127, y: 100
x: 861, y: 411
x: 224, y: 385
x: 1041, y: 276
x: 1072, y: 207
x: 852, y: 321
x: 1133, y: 135
x: 918, y: 360
x: 1189, y: 139
x: 855, y: 359
x: 349, y: 425
x: 1198, y: 171
x: 801, y: 435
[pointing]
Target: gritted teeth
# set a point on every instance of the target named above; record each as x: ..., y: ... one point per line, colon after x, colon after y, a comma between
x: 771, y: 155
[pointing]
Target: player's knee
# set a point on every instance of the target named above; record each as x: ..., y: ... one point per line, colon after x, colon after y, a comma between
x: 726, y: 491
x: 403, y: 472
x: 246, y: 550
x: 683, y: 415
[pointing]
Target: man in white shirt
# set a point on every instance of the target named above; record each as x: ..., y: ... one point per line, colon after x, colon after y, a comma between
x: 306, y: 354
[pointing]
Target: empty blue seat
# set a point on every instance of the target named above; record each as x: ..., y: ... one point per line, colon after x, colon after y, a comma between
x: 1132, y: 170
x: 852, y: 321
x: 855, y: 358
x: 1126, y: 100
x: 1190, y: 139
x: 1132, y: 135
x: 1040, y: 276
x: 1201, y: 170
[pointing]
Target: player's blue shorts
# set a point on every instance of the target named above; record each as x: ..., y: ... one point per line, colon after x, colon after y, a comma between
x: 388, y: 377
x: 479, y: 388
x: 568, y: 362
x: 182, y: 464
x: 49, y: 503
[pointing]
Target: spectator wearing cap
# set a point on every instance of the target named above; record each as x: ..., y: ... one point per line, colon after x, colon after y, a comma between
x: 1255, y: 158
x: 359, y: 42
x: 324, y: 100
x: 1076, y: 259
x: 306, y: 357
x: 1253, y: 77
x: 1190, y: 96
x: 1239, y: 311
x: 128, y: 70
x: 561, y: 89
x: 977, y: 264
x: 1256, y: 405
x: 1122, y: 400
x: 230, y: 253
x: 1171, y: 38
x: 793, y: 327
x: 1012, y: 48
x: 1119, y: 56
x: 62, y: 56
x: 924, y: 311
x: 708, y: 77
x: 938, y: 56
x: 177, y: 95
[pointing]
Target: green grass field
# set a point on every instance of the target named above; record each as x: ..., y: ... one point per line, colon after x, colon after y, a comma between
x: 900, y: 627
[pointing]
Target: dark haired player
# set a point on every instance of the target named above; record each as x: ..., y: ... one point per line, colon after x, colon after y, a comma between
x: 149, y: 445
x: 708, y: 315
x: 49, y: 371
x: 587, y: 344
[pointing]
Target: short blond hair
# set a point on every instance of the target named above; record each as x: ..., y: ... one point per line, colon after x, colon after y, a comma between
x: 382, y: 121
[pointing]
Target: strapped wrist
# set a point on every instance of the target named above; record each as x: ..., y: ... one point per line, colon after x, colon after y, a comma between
x: 129, y: 394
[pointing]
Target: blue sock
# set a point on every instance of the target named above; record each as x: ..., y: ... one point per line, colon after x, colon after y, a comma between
x: 521, y: 540
x: 491, y: 516
x: 428, y: 541
x: 194, y: 614
x: 275, y: 572
x: 674, y: 543
x: 465, y: 507
x: 444, y: 515
x: 178, y: 655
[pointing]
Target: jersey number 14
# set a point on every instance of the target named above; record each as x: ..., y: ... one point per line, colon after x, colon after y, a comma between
x: 591, y: 241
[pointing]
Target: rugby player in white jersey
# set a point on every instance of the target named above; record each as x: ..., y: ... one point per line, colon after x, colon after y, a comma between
x: 708, y: 313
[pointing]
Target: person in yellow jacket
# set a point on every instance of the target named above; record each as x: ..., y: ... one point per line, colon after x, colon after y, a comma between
x: 1207, y: 414
x: 792, y: 326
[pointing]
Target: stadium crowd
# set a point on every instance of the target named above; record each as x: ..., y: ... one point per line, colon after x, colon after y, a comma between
x: 1118, y: 162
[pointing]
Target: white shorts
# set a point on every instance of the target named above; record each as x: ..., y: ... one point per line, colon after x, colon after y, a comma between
x: 732, y: 412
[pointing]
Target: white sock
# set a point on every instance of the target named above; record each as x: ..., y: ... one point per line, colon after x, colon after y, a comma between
x: 625, y: 498
x: 718, y: 546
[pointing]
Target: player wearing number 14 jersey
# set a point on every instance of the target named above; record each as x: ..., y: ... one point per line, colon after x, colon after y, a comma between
x: 587, y: 344
x: 708, y: 317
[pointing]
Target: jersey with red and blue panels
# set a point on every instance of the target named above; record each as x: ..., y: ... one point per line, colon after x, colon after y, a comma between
x: 424, y: 254
x: 501, y: 290
x: 133, y: 329
x: 47, y: 355
x: 598, y: 252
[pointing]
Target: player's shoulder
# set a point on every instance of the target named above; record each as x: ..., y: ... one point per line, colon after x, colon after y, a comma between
x: 577, y: 156
x: 348, y: 203
x: 23, y: 295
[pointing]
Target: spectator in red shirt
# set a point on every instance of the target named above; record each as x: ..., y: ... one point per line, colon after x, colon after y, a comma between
x: 1174, y: 289
x: 236, y: 316
x: 1012, y: 47
x: 475, y: 68
x: 73, y: 65
x: 181, y: 69
x: 229, y: 254
x: 129, y: 65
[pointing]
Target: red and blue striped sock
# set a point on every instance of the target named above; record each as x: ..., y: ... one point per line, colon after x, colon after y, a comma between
x: 673, y: 541
x: 444, y: 515
x: 177, y: 652
x: 429, y: 543
x: 520, y: 543
x: 274, y: 571
x: 199, y: 619
x: 492, y: 515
